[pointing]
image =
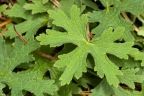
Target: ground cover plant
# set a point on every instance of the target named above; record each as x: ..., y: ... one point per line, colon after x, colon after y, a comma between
x: 71, y: 48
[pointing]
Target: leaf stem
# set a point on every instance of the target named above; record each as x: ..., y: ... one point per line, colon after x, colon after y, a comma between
x: 89, y: 35
x: 19, y: 35
x: 3, y: 18
x: 93, y: 73
x: 46, y: 55
x: 37, y: 51
x: 11, y: 1
x: 4, y: 23
x: 56, y: 3
x: 82, y: 93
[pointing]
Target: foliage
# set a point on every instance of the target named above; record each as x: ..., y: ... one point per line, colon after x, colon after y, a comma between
x: 65, y: 47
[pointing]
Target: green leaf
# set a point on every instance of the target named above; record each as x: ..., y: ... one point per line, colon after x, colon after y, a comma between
x: 90, y: 4
x: 111, y: 16
x: 3, y: 8
x: 67, y: 90
x: 104, y: 89
x: 137, y: 55
x: 21, y: 2
x: 111, y: 61
x: 1, y: 87
x: 64, y: 6
x: 30, y: 83
x: 23, y: 80
x: 44, y: 1
x: 110, y: 19
x: 133, y: 6
x: 125, y: 64
x: 75, y: 61
x: 126, y: 6
x: 87, y: 79
x: 17, y: 11
x: 38, y: 6
x: 136, y: 93
x: 141, y: 32
x: 129, y: 77
x: 31, y: 25
x: 73, y: 68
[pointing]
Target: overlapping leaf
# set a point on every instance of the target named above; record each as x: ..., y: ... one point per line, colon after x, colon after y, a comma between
x: 111, y: 16
x: 126, y: 6
x: 30, y: 25
x: 38, y: 6
x: 111, y: 62
x: 67, y: 90
x: 1, y: 87
x: 17, y: 11
x: 23, y: 81
x: 104, y: 89
x: 129, y: 77
x: 137, y: 55
x: 75, y: 61
x: 3, y: 8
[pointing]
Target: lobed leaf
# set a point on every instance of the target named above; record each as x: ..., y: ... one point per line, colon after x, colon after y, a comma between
x: 30, y: 26
x: 38, y: 6
x: 129, y: 77
x: 108, y: 19
x: 104, y: 89
x: 23, y: 81
x: 113, y: 55
x: 17, y: 11
x: 75, y: 61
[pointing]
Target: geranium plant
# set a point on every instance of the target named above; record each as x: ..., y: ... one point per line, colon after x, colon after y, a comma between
x: 72, y: 48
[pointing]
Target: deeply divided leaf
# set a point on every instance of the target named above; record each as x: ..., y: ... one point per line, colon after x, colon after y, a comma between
x: 75, y: 61
x: 22, y: 81
x: 86, y: 47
